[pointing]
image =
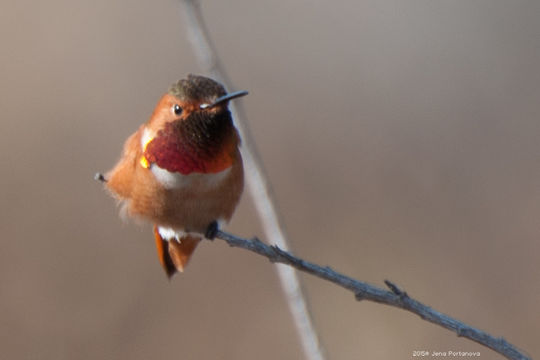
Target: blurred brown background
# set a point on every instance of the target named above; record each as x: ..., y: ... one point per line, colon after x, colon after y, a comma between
x: 402, y: 140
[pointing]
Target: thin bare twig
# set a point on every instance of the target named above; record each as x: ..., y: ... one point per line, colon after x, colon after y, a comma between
x: 257, y: 184
x: 363, y: 291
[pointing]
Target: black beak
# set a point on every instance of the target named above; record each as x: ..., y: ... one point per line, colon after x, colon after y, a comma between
x: 225, y: 98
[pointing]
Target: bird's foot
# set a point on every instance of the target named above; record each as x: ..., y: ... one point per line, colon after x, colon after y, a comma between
x: 211, y: 230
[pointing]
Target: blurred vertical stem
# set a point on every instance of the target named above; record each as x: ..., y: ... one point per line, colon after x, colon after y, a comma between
x: 257, y: 183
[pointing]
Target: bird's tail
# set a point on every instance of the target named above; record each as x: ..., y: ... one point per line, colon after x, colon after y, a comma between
x: 174, y: 254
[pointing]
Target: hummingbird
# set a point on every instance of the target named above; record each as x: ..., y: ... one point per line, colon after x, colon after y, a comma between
x: 182, y: 170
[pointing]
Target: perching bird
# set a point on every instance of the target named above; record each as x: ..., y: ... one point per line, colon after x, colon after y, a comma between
x: 182, y: 170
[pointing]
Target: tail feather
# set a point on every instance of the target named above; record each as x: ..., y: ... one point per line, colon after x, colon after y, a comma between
x: 175, y: 254
x: 162, y: 247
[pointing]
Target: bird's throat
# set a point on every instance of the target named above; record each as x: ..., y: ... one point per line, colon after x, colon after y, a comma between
x: 201, y: 143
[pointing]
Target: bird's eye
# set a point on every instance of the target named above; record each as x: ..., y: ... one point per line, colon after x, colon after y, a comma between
x: 177, y: 109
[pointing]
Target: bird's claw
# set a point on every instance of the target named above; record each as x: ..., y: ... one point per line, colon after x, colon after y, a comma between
x: 211, y: 230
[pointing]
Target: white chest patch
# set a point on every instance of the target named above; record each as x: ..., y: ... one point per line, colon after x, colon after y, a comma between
x: 174, y: 180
